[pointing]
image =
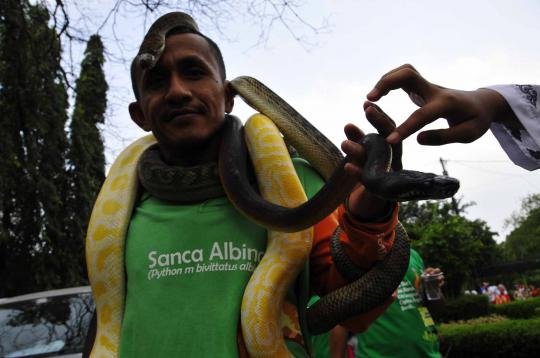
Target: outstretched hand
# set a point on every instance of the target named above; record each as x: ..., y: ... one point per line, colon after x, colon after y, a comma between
x: 469, y: 113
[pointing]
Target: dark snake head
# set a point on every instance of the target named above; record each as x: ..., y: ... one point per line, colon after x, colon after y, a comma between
x: 406, y: 185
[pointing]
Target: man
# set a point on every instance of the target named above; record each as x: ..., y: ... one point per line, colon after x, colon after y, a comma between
x: 188, y: 252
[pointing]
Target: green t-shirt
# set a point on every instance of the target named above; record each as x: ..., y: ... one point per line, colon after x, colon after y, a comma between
x: 406, y: 328
x: 187, y: 267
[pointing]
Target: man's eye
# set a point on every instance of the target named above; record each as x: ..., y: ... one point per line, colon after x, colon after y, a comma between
x: 154, y: 80
x: 195, y: 72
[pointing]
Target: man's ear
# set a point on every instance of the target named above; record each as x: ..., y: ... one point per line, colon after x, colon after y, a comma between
x: 138, y: 117
x: 229, y: 97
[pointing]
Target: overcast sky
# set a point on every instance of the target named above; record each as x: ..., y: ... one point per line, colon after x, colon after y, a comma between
x: 458, y: 44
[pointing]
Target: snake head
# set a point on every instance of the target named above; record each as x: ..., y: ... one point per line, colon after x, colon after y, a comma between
x: 416, y: 185
x: 407, y: 185
x: 147, y: 60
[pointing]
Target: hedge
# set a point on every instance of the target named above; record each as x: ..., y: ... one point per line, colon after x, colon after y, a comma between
x: 501, y: 338
x: 518, y: 309
x: 464, y: 307
x: 472, y: 306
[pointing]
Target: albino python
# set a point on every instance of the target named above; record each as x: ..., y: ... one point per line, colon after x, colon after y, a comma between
x: 286, y: 253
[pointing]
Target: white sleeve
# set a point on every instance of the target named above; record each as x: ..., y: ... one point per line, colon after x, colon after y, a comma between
x: 521, y: 145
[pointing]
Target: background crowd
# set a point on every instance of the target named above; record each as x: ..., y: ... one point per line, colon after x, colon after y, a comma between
x: 498, y: 294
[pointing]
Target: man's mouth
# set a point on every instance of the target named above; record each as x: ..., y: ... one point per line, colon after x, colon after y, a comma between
x: 181, y: 114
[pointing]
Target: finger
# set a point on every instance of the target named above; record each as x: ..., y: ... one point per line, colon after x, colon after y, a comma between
x: 399, y: 68
x: 355, y: 152
x: 378, y: 119
x: 464, y: 132
x: 353, y: 170
x: 353, y: 132
x: 406, y: 78
x: 407, y: 65
x: 418, y: 119
x: 384, y: 125
x: 417, y: 99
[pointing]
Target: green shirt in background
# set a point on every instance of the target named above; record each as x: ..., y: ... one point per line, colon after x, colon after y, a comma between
x: 320, y: 344
x: 406, y: 328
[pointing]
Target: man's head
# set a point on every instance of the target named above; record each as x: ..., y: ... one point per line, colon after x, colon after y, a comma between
x: 183, y: 97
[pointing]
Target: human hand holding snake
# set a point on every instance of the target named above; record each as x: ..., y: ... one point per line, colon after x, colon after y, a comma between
x: 363, y: 204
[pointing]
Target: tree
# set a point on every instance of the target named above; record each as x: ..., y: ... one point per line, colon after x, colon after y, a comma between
x: 528, y: 204
x: 524, y: 241
x: 451, y: 242
x: 74, y: 20
x: 33, y: 99
x: 86, y: 158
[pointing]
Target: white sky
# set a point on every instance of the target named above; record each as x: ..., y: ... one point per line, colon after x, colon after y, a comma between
x: 458, y: 44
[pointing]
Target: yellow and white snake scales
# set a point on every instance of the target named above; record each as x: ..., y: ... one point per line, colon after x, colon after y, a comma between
x: 285, y: 256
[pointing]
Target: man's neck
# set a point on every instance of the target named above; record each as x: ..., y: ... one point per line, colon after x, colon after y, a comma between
x: 191, y: 155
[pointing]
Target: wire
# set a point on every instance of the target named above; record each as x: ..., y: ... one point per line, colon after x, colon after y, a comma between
x: 521, y: 176
x: 475, y: 161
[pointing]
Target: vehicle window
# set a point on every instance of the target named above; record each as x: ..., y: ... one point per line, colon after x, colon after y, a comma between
x: 45, y: 326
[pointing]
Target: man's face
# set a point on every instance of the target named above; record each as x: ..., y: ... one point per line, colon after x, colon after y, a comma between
x: 183, y: 98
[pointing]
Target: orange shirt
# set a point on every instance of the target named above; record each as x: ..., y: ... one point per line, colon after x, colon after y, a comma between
x: 365, y: 243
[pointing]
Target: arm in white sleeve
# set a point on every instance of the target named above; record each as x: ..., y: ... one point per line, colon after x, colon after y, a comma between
x: 522, y: 141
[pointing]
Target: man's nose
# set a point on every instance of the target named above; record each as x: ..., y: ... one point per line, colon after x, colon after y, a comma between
x: 178, y: 90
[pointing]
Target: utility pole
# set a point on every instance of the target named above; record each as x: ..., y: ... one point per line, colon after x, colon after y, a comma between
x: 454, y: 201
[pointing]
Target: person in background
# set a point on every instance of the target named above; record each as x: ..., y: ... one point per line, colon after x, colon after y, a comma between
x: 503, y: 296
x: 492, y: 293
x: 484, y: 288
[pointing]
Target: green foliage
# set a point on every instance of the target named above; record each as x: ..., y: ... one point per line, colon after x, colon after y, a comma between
x: 518, y: 309
x: 451, y: 242
x: 41, y: 241
x: 492, y: 318
x: 34, y: 100
x: 502, y: 338
x: 464, y: 308
x: 86, y: 157
x: 524, y: 241
x: 528, y: 204
x: 468, y: 307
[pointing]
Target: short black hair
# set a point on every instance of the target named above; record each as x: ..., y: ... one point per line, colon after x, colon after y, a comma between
x: 213, y: 46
